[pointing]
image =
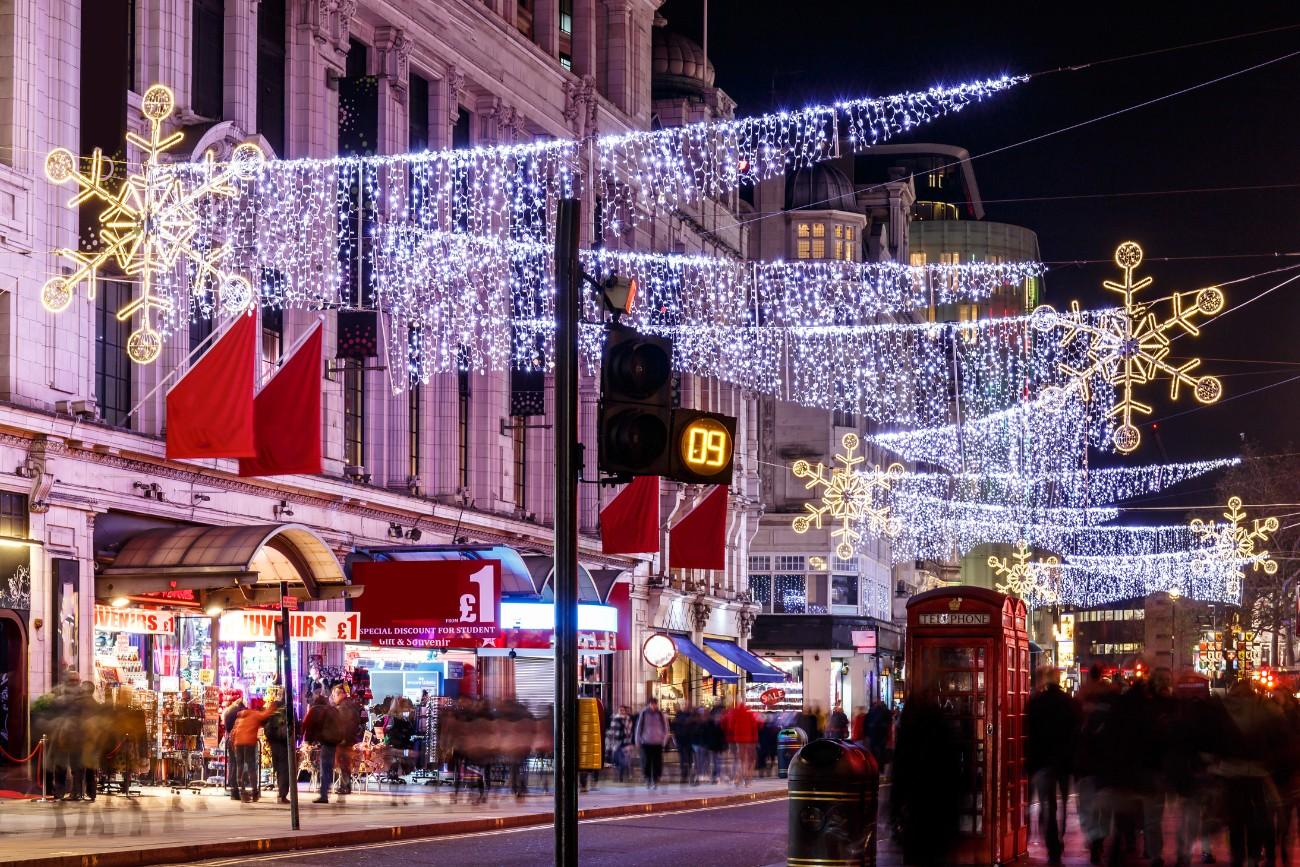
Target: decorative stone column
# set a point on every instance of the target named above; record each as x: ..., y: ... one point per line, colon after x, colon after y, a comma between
x: 239, y: 66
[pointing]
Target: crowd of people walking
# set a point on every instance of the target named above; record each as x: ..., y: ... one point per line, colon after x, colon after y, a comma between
x: 1162, y: 772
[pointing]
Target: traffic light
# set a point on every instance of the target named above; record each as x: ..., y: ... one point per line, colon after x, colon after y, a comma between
x: 703, y: 447
x: 640, y: 434
x: 636, y: 398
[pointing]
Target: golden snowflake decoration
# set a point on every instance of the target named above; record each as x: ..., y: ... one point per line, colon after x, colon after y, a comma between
x: 849, y: 496
x: 1032, y: 580
x: 1233, y: 545
x: 147, y: 226
x: 1129, y: 347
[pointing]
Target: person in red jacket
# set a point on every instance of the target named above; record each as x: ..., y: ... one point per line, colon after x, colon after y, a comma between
x: 740, y: 724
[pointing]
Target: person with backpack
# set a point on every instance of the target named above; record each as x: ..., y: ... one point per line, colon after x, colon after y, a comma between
x: 651, y: 734
x: 351, y: 721
x: 321, y: 728
x: 276, y: 730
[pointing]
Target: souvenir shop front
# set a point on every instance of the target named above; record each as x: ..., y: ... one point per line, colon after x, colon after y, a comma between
x: 185, y: 617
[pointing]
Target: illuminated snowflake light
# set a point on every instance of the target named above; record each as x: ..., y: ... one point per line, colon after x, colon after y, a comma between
x: 1129, y: 347
x: 1032, y: 580
x: 1232, y: 546
x: 849, y: 496
x: 148, y: 226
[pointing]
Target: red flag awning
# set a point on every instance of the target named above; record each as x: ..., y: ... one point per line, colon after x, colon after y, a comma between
x: 699, y: 541
x: 210, y: 409
x: 287, y: 415
x: 630, y: 523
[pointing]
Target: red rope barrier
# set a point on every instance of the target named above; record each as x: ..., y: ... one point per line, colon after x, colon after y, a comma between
x: 6, y: 755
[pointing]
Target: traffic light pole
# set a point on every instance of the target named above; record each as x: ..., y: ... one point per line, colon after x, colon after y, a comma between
x: 568, y: 283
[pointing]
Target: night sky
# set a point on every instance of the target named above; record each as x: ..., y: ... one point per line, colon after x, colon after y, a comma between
x: 1244, y: 131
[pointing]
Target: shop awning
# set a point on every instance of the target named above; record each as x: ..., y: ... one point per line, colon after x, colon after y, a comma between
x: 691, y: 651
x: 542, y: 567
x: 758, y: 670
x: 246, y: 564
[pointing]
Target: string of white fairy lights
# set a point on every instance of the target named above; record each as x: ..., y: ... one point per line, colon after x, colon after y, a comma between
x: 1090, y: 581
x: 303, y: 224
x: 1078, y: 488
x: 1034, y: 437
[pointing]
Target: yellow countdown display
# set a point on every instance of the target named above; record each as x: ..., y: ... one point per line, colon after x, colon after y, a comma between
x: 705, y: 446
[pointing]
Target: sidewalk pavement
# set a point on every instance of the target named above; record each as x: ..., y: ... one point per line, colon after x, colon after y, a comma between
x: 160, y: 827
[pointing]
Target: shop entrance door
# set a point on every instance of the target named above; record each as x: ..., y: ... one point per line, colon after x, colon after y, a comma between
x: 962, y: 675
x: 13, y: 684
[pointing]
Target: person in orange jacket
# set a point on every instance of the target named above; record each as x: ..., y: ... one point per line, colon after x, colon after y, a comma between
x: 243, y: 735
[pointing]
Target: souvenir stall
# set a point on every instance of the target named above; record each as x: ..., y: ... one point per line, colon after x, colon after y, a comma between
x: 160, y: 664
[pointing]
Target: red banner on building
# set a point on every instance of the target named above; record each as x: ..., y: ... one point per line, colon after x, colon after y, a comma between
x: 430, y: 603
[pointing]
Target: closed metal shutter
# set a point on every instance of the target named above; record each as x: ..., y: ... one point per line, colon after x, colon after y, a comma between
x: 535, y: 683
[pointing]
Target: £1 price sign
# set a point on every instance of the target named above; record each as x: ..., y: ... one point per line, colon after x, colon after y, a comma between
x: 430, y: 603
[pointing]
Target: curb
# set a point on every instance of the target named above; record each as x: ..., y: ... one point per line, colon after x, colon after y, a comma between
x: 323, y: 840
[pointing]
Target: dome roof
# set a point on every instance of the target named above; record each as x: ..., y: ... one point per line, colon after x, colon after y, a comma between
x: 678, y: 61
x: 820, y: 188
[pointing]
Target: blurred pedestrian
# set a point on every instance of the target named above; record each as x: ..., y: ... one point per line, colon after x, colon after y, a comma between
x: 276, y: 729
x: 1255, y: 737
x: 352, y: 728
x: 837, y: 723
x: 1286, y: 771
x: 1097, y: 698
x: 876, y: 726
x: 807, y: 720
x: 858, y: 727
x: 651, y: 735
x: 741, y: 728
x: 618, y: 738
x: 94, y: 739
x: 768, y: 731
x: 321, y: 728
x: 1052, y: 722
x: 229, y: 714
x: 716, y: 740
x: 927, y: 782
x: 684, y: 735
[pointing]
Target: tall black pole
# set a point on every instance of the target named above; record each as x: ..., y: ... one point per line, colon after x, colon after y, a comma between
x: 568, y: 282
x: 290, y: 718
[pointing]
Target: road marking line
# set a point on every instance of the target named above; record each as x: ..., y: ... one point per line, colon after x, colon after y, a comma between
x: 361, y: 847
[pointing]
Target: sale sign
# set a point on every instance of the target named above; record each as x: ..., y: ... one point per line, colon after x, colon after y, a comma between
x: 303, y: 625
x: 430, y: 603
x: 140, y: 621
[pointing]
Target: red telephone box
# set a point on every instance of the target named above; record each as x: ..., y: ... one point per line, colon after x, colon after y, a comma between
x: 971, y: 646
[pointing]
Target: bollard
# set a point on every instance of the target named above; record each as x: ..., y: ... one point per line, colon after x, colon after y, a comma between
x: 832, y: 795
x: 788, y: 742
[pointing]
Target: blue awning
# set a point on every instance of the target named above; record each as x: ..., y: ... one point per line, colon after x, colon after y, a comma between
x: 711, y: 666
x: 759, y: 671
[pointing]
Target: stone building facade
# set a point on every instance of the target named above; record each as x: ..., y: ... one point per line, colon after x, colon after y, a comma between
x: 446, y: 459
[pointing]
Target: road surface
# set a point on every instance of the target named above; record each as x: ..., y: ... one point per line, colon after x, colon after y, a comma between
x: 747, y: 835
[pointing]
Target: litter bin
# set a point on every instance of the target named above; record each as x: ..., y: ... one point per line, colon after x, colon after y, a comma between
x: 788, y: 742
x: 832, y: 796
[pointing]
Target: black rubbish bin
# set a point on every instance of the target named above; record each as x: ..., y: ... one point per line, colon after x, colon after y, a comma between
x: 788, y: 742
x: 833, y: 791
